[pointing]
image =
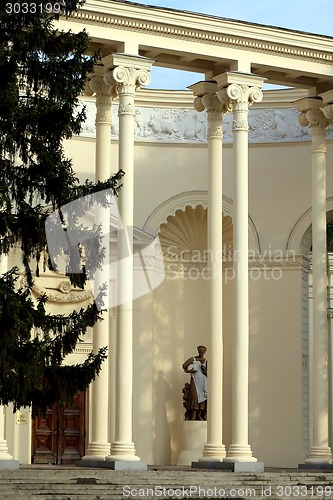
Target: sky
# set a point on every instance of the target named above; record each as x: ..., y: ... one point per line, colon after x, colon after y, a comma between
x: 312, y: 16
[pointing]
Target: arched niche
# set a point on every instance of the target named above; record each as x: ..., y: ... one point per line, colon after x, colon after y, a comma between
x: 184, y: 235
x: 193, y: 199
x: 300, y: 238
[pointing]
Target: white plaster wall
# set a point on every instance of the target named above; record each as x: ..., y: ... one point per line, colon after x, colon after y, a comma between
x: 275, y: 390
x: 181, y: 322
x: 143, y: 395
x: 279, y: 180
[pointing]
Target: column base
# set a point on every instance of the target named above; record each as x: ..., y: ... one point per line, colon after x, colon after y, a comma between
x: 240, y: 467
x: 124, y: 465
x: 317, y: 466
x: 240, y: 453
x: 122, y: 451
x: 4, y: 454
x: 319, y: 456
x: 213, y: 453
x: 97, y: 451
x: 9, y: 464
x: 6, y: 460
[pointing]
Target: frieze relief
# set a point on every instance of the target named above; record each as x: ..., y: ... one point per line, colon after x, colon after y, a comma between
x: 183, y: 125
x: 65, y: 292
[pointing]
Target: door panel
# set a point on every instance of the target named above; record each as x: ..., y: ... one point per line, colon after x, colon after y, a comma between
x: 58, y: 437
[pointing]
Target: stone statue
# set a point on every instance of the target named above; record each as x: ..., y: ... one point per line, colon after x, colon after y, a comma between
x: 195, y: 393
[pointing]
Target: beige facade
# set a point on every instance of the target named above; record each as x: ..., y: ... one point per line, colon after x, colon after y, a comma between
x: 174, y: 318
x: 171, y: 196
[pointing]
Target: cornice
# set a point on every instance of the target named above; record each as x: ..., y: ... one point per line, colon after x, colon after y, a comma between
x: 85, y: 348
x: 206, y: 29
x: 184, y: 98
x: 282, y: 97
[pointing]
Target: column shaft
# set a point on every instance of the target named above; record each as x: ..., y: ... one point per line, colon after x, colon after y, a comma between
x: 214, y: 450
x: 319, y: 276
x: 125, y: 268
x: 4, y: 455
x: 240, y: 95
x: 129, y: 73
x: 214, y: 402
x: 241, y: 286
x: 330, y: 384
x: 312, y: 115
x: 98, y: 446
x: 6, y: 460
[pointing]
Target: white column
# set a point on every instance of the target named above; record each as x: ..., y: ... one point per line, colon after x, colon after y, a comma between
x: 241, y: 92
x: 98, y: 445
x: 6, y: 460
x: 330, y: 370
x: 214, y: 450
x: 129, y: 73
x: 312, y: 115
x: 4, y: 455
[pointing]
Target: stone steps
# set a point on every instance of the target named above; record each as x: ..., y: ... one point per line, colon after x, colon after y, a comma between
x: 74, y: 483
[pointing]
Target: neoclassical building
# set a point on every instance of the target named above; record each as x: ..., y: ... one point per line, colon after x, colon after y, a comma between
x: 232, y: 184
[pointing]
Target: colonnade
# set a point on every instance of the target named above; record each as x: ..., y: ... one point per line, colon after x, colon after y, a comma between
x: 127, y: 73
x: 229, y: 92
x: 120, y: 76
x: 98, y: 445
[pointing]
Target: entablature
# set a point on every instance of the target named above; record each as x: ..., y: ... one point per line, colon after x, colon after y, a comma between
x: 282, y: 56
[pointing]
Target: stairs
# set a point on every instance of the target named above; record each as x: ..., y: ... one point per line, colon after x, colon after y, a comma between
x: 164, y: 482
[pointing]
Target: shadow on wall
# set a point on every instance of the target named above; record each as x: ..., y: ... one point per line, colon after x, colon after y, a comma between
x: 162, y: 436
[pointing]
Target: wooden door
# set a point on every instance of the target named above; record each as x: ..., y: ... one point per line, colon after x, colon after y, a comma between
x: 59, y: 436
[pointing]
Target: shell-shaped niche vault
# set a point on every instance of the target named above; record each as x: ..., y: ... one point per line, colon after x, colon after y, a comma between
x: 184, y: 235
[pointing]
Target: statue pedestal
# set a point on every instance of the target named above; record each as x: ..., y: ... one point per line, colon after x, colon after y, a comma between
x: 194, y: 440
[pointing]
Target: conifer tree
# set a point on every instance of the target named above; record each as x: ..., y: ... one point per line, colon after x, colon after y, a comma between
x: 42, y: 73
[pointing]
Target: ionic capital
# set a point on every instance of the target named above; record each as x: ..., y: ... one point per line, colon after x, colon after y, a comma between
x: 104, y: 95
x: 127, y: 79
x: 238, y: 97
x: 211, y: 104
x: 215, y: 111
x: 103, y: 92
x: 316, y: 119
x: 127, y: 73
